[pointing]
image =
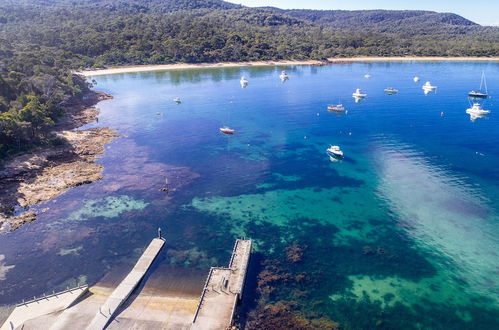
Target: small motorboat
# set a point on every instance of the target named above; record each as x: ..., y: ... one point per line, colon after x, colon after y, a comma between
x: 227, y: 130
x: 243, y: 82
x: 367, y: 75
x: 283, y: 76
x: 177, y: 100
x: 338, y: 107
x: 415, y: 79
x: 477, y: 110
x: 335, y: 151
x: 358, y: 94
x: 429, y: 87
x: 391, y: 91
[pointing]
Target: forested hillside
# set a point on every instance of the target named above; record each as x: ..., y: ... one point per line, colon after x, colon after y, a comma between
x: 381, y: 19
x: 42, y: 40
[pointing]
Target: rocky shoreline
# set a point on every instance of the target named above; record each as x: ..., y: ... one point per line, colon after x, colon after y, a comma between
x: 41, y: 175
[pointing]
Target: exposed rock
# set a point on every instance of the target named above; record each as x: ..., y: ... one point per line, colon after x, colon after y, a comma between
x: 12, y: 223
x: 39, y: 176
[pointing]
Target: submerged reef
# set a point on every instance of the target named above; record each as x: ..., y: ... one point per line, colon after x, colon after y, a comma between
x: 37, y: 177
x: 108, y: 207
x: 282, y: 315
x: 4, y: 268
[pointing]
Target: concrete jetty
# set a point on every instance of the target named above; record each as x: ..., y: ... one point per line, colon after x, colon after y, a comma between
x: 122, y: 292
x: 46, y: 304
x: 223, y: 290
x: 151, y: 307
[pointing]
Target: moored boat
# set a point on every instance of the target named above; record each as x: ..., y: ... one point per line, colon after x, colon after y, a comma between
x: 477, y: 110
x: 479, y: 94
x: 429, y: 87
x: 334, y: 151
x: 391, y: 90
x: 283, y: 76
x: 227, y: 130
x: 177, y: 100
x: 358, y: 94
x: 243, y: 82
x: 337, y: 107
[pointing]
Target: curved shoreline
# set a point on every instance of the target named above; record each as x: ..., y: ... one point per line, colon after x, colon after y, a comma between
x: 34, y: 177
x: 180, y: 66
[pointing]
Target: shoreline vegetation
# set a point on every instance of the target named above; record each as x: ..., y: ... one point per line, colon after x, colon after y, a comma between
x: 182, y: 66
x: 27, y: 179
x: 39, y: 175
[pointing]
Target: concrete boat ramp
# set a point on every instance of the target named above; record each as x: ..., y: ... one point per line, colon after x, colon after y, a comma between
x: 126, y: 307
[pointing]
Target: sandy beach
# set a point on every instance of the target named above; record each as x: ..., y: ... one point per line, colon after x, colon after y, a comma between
x: 160, y: 67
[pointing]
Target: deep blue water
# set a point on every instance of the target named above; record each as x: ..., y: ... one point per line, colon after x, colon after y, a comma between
x: 403, y: 232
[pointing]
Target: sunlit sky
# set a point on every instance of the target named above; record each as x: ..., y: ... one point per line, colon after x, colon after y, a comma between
x: 484, y: 12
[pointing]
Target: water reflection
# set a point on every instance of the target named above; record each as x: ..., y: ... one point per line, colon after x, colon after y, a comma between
x: 442, y: 214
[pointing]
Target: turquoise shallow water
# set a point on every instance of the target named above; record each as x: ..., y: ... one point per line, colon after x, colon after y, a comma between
x: 403, y: 233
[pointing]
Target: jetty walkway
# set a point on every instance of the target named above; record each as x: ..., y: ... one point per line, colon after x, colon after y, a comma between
x: 223, y: 290
x: 99, y: 308
x: 125, y: 288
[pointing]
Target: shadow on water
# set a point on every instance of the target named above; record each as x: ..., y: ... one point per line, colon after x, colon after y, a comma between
x: 250, y: 297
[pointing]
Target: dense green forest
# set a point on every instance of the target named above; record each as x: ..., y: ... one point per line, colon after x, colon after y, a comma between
x: 42, y: 41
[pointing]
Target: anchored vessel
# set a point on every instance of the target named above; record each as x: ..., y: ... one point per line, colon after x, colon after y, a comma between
x: 358, y: 94
x: 479, y: 94
x: 429, y: 87
x: 283, y: 76
x: 243, y: 82
x: 227, y: 130
x: 391, y: 91
x: 477, y: 109
x: 334, y: 151
x: 337, y: 108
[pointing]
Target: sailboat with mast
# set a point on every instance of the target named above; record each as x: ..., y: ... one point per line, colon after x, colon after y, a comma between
x: 479, y: 94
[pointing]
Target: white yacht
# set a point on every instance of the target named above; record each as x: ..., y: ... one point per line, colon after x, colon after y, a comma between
x: 415, y: 79
x: 367, y: 75
x: 177, y: 100
x: 334, y: 151
x: 338, y: 107
x: 429, y: 87
x: 243, y: 82
x: 358, y: 94
x: 227, y: 130
x: 391, y: 90
x: 477, y: 110
x: 283, y: 76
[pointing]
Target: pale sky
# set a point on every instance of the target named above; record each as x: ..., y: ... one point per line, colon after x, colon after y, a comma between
x: 484, y: 12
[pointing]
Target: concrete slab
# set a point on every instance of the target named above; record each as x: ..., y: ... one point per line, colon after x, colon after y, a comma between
x: 222, y: 291
x: 125, y: 288
x: 47, y: 305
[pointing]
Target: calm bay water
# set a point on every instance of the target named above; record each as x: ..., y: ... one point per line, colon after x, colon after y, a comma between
x: 403, y: 233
